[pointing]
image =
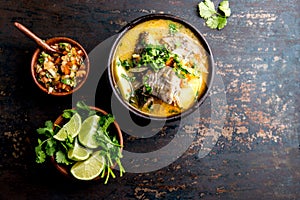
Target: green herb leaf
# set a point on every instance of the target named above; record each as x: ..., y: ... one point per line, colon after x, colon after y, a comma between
x: 41, y: 60
x: 67, y: 81
x: 63, y: 45
x: 224, y: 6
x: 222, y: 21
x: 69, y: 142
x: 68, y: 113
x: 212, y: 22
x: 81, y: 105
x: 207, y: 9
x: 61, y: 157
x: 110, y: 147
x: 148, y: 89
x: 45, y: 55
x: 105, y: 122
x: 213, y: 18
x: 47, y: 130
x: 50, y: 147
x: 126, y: 64
x: 216, y: 22
x: 172, y: 28
x: 40, y: 154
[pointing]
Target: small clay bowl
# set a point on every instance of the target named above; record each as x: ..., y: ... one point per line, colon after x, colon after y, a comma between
x: 115, y: 129
x: 52, y: 41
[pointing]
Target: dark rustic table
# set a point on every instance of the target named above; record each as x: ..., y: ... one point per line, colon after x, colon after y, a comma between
x: 241, y: 144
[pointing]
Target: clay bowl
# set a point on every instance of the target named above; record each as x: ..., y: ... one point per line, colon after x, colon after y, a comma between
x: 80, y: 81
x: 130, y: 27
x: 114, y: 129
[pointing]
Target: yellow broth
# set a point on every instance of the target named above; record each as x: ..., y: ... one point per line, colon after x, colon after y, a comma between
x: 159, y: 28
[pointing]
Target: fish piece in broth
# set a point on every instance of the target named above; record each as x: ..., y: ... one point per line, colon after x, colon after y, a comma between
x: 143, y: 40
x: 165, y: 84
x: 186, y: 48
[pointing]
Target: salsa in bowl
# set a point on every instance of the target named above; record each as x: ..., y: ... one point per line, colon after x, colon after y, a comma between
x: 62, y: 73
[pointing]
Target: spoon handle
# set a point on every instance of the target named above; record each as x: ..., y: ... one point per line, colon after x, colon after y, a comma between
x: 31, y: 35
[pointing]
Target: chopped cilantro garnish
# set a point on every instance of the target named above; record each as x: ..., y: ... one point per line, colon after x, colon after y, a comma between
x: 172, y: 28
x: 148, y: 89
x: 126, y: 64
x: 66, y: 81
x: 155, y: 57
x: 63, y: 45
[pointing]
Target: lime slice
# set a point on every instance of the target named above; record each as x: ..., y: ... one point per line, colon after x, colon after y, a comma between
x: 72, y: 128
x: 78, y: 153
x: 90, y: 168
x: 88, y: 130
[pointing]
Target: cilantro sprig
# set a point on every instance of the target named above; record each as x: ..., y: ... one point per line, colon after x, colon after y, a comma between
x: 214, y: 19
x: 110, y: 148
x: 48, y: 146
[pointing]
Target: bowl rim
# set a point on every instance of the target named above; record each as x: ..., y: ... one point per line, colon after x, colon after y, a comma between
x: 64, y: 169
x: 35, y: 58
x: 202, y: 40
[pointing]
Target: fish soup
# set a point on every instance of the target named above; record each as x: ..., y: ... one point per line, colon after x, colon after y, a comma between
x: 160, y: 68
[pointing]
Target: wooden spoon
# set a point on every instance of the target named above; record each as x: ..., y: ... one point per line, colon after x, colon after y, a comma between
x: 39, y: 41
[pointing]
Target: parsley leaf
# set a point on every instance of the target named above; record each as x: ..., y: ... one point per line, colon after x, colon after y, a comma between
x: 212, y: 22
x: 108, y: 119
x: 222, y: 22
x: 110, y: 147
x: 60, y: 157
x: 213, y: 18
x: 47, y: 130
x: 68, y: 113
x: 50, y: 147
x: 207, y: 9
x: 224, y: 6
x: 216, y: 22
x: 40, y: 154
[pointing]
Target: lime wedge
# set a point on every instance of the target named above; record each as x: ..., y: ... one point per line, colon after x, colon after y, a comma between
x: 78, y: 153
x: 88, y: 130
x: 124, y: 85
x: 90, y: 168
x: 72, y: 128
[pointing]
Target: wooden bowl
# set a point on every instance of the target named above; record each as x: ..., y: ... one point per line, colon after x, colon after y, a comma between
x: 51, y: 42
x: 64, y: 169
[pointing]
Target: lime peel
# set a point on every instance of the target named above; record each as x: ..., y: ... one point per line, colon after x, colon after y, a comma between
x: 78, y: 153
x: 71, y: 128
x: 88, y: 130
x: 90, y: 168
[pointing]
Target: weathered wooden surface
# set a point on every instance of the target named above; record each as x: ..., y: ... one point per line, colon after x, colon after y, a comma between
x: 256, y: 155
